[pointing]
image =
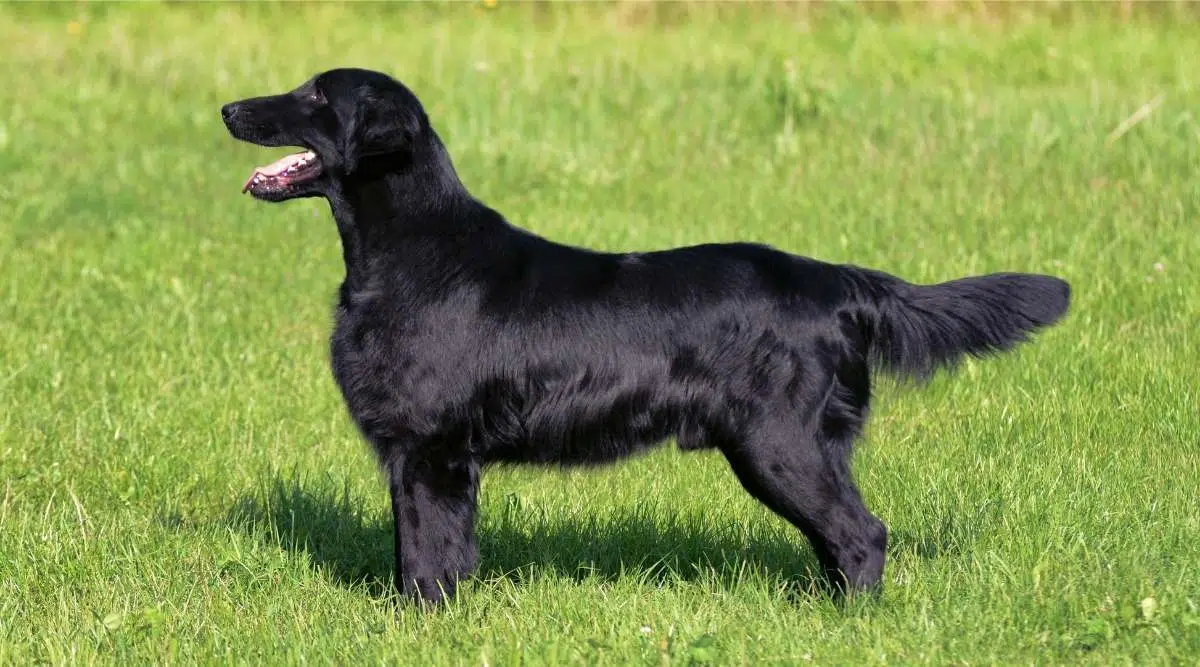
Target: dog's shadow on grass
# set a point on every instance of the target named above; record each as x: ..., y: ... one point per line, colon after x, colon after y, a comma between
x: 352, y: 543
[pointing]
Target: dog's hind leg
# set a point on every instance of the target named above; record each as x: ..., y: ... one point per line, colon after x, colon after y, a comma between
x: 433, y: 507
x: 808, y: 482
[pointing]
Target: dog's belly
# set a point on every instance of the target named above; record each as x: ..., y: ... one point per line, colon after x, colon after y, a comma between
x: 598, y: 435
x: 577, y: 415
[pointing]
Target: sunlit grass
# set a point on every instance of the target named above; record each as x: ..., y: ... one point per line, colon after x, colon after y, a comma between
x: 180, y: 481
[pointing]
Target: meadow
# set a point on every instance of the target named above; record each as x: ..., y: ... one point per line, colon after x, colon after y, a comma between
x: 181, y: 483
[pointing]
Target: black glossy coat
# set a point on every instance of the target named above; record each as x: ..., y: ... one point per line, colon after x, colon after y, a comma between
x: 461, y: 340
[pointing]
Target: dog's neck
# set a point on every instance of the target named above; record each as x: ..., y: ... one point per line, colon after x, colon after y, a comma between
x: 406, y: 195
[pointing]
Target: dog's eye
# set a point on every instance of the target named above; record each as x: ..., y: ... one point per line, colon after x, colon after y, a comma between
x: 316, y: 97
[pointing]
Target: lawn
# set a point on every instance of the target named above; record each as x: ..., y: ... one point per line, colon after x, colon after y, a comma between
x: 181, y: 483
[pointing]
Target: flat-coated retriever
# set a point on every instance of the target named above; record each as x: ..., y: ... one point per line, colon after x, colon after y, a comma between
x: 461, y: 340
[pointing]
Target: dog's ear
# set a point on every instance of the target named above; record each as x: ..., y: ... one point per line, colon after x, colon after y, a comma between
x: 378, y: 124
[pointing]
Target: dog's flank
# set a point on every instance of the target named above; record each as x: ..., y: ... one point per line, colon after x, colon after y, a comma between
x: 461, y: 340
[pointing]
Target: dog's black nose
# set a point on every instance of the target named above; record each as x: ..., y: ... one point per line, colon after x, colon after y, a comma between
x: 229, y: 111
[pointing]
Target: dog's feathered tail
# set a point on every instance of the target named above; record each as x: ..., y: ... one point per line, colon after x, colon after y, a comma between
x: 914, y: 330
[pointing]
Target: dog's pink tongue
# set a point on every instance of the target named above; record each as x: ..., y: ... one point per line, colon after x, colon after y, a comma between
x: 273, y: 169
x: 249, y: 182
x: 279, y: 165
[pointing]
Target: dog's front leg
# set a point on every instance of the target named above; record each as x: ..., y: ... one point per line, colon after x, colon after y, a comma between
x: 433, y: 508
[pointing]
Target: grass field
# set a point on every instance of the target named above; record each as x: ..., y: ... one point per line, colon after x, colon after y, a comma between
x: 181, y: 483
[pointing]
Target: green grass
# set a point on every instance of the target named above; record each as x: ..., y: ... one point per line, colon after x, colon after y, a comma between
x: 181, y: 483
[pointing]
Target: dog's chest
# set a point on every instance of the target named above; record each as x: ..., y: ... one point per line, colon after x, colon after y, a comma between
x: 390, y: 368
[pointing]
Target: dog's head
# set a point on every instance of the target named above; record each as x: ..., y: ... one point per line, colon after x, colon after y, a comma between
x: 340, y: 117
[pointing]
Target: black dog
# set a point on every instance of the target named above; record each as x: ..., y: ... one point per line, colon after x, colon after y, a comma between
x: 461, y: 340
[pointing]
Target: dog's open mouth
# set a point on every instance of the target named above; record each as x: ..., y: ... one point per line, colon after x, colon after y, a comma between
x: 283, y: 174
